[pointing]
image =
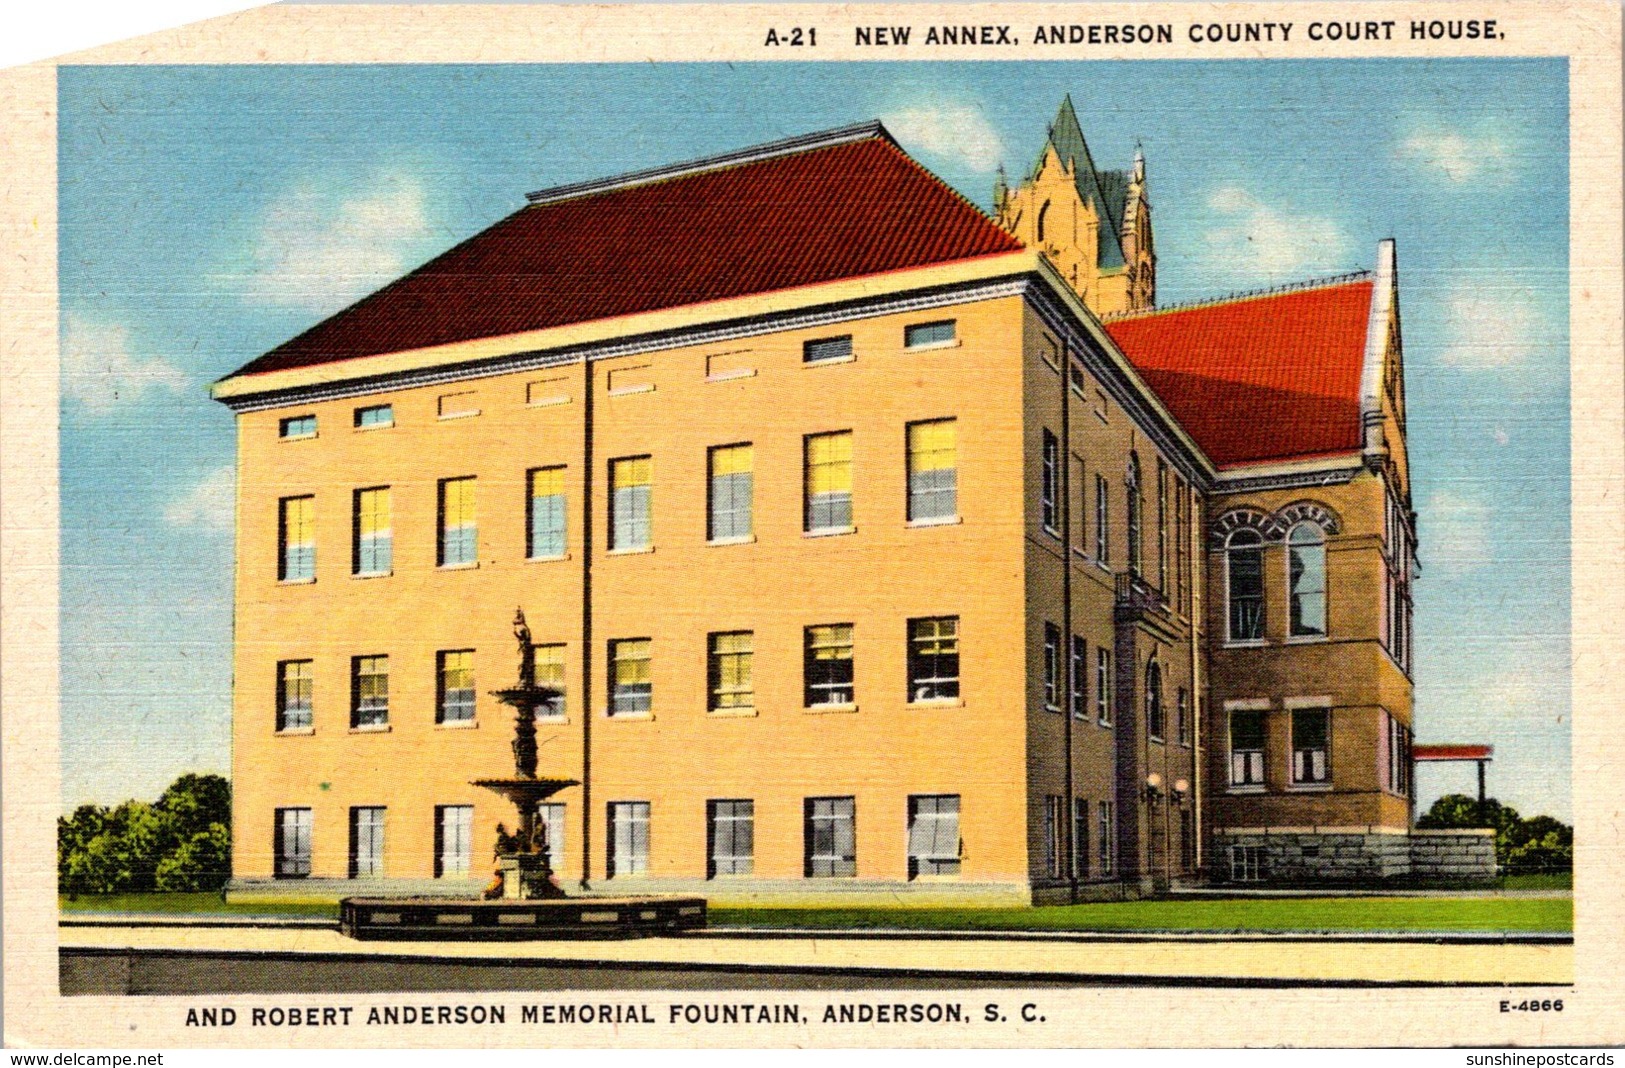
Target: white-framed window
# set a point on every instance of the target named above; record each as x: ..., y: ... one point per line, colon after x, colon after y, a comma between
x: 1049, y: 484
x: 828, y: 665
x: 375, y: 416
x: 1183, y: 710
x: 549, y: 513
x: 827, y: 349
x: 456, y: 685
x: 1244, y: 581
x: 1080, y: 505
x: 1052, y: 667
x: 373, y: 550
x: 628, y: 838
x: 550, y: 814
x: 1246, y: 864
x: 1103, y: 686
x: 731, y: 838
x: 1162, y: 524
x: 933, y: 658
x: 293, y: 836
x: 631, y: 684
x: 549, y: 664
x: 454, y: 840
x: 1306, y: 579
x: 1054, y: 824
x: 1080, y: 837
x: 1080, y: 679
x: 933, y: 470
x: 730, y: 682
x: 366, y: 842
x: 920, y: 335
x: 1136, y: 506
x: 830, y: 835
x: 297, y: 426
x: 1103, y: 507
x: 1106, y: 828
x: 295, y: 695
x: 369, y: 691
x: 1182, y: 539
x: 933, y: 835
x: 1311, y: 746
x: 1247, y: 747
x: 828, y: 494
x: 458, y: 533
x: 631, y: 488
x: 732, y: 492
x: 1155, y: 714
x: 296, y: 536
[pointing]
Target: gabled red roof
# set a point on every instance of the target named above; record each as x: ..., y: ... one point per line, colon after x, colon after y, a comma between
x: 1263, y: 378
x: 852, y: 208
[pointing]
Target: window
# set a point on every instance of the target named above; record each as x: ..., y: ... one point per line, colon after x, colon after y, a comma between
x: 920, y: 335
x: 730, y: 671
x: 827, y: 666
x: 933, y: 835
x: 1054, y: 819
x: 297, y: 426
x: 631, y: 482
x: 1247, y: 748
x: 297, y: 537
x: 933, y: 476
x: 1080, y: 679
x: 1306, y: 579
x: 547, y: 514
x: 631, y: 688
x: 1080, y: 837
x: 545, y: 392
x: 1246, y: 863
x: 1079, y: 503
x: 372, y: 555
x: 827, y: 349
x: 1049, y: 483
x: 1311, y: 737
x: 1052, y: 667
x: 1244, y: 564
x: 457, y: 530
x: 293, y: 843
x: 1103, y: 543
x: 831, y: 847
x: 829, y: 482
x: 366, y: 843
x: 295, y: 690
x: 1103, y: 686
x: 456, y: 704
x: 457, y: 405
x: 1043, y: 217
x: 1182, y: 537
x: 1396, y: 746
x: 628, y: 838
x: 1183, y: 710
x: 731, y: 492
x: 1187, y: 840
x: 549, y: 662
x: 1105, y: 826
x: 369, y: 703
x: 933, y: 659
x: 1135, y: 505
x: 375, y: 416
x: 454, y: 840
x: 1156, y: 726
x: 550, y: 814
x: 1162, y: 524
x: 731, y: 834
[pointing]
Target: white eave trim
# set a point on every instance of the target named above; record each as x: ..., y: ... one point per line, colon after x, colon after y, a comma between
x: 1376, y: 333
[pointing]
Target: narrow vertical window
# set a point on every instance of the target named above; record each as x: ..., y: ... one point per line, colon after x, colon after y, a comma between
x: 933, y: 658
x: 1049, y: 483
x: 549, y: 663
x: 1162, y: 524
x: 1103, y: 543
x: 1108, y: 839
x: 295, y: 695
x: 548, y: 521
x: 1080, y: 679
x: 732, y: 492
x: 456, y: 684
x: 1079, y: 503
x: 1183, y: 711
x: 1155, y: 714
x: 457, y: 529
x: 1103, y: 686
x: 631, y: 687
x: 369, y: 686
x: 933, y: 835
x: 730, y: 671
x: 454, y: 840
x: 628, y: 838
x: 731, y: 834
x: 551, y: 816
x: 1311, y: 737
x: 366, y: 842
x: 1247, y: 748
x: 829, y: 482
x: 933, y: 475
x: 293, y: 833
x: 1182, y: 537
x: 1054, y: 817
x: 1052, y: 667
x: 1244, y: 563
x: 827, y: 667
x: 1131, y: 486
x: 830, y: 837
x: 1080, y: 837
x: 631, y: 483
x: 373, y: 543
x: 297, y: 536
x: 1306, y: 579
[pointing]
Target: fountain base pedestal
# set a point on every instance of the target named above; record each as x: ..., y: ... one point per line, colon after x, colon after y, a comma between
x: 442, y: 920
x: 527, y: 877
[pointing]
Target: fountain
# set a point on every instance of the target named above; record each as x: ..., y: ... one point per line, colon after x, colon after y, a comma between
x: 524, y: 899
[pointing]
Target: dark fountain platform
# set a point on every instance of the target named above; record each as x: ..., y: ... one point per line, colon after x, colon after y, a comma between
x: 512, y: 920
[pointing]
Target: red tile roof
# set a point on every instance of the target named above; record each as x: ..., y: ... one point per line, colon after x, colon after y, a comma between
x: 1452, y: 752
x: 1262, y: 378
x: 832, y: 211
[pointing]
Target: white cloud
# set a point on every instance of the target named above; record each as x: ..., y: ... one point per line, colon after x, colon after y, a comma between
x: 317, y: 250
x: 1456, y: 528
x: 1488, y: 328
x: 1457, y: 156
x: 958, y: 132
x: 1254, y: 242
x: 210, y: 504
x: 100, y: 372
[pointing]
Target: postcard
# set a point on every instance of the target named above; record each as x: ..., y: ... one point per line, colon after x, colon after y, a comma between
x: 890, y: 525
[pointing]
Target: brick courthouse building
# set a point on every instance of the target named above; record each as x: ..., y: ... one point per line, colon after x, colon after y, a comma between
x: 877, y: 546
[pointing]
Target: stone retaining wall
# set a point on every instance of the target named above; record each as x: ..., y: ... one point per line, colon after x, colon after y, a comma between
x: 1309, y: 855
x: 1454, y: 855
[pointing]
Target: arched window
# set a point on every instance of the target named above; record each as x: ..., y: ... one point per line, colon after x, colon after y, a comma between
x: 1244, y: 563
x: 1043, y: 214
x: 1306, y: 579
x: 1154, y: 716
x: 1135, y: 503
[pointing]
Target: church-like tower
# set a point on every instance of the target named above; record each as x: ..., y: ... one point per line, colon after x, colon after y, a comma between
x: 1093, y: 225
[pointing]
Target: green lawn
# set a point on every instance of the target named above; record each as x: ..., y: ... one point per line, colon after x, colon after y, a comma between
x: 193, y: 904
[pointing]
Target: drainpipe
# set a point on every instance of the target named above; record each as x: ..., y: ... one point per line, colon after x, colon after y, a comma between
x: 1198, y: 609
x: 588, y: 511
x: 1068, y: 671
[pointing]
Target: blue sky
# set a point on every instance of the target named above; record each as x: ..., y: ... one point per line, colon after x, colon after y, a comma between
x: 209, y: 213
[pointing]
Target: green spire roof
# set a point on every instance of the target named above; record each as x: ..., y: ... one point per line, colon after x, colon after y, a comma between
x: 1066, y: 137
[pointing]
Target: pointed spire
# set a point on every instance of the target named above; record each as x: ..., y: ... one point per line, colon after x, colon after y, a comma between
x: 1001, y: 189
x: 1139, y: 164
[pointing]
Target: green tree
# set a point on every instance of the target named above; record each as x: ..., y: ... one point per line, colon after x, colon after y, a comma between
x: 182, y: 842
x: 1539, y: 843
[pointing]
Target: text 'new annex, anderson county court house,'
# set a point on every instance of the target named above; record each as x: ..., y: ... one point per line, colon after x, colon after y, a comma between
x: 876, y: 545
